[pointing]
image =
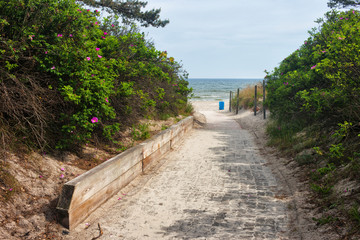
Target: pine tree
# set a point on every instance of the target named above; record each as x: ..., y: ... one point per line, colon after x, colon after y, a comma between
x: 130, y: 11
x: 343, y: 3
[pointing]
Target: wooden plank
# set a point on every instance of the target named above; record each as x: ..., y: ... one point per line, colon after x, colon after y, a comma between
x: 95, y: 179
x: 175, y: 129
x: 149, y: 160
x: 84, y: 194
x: 81, y: 212
x: 180, y: 130
x: 152, y: 145
x: 175, y: 140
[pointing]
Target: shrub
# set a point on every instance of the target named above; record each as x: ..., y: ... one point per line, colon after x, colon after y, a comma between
x: 67, y: 75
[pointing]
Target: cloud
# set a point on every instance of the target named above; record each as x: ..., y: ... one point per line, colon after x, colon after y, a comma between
x: 212, y: 34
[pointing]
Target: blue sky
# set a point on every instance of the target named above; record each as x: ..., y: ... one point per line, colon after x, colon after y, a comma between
x: 233, y: 38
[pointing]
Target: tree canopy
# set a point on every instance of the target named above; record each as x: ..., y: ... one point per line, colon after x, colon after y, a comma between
x: 130, y: 10
x: 343, y: 3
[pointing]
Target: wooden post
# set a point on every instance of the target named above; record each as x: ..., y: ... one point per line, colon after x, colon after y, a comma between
x: 255, y: 102
x: 264, y: 109
x: 230, y: 101
x: 237, y: 101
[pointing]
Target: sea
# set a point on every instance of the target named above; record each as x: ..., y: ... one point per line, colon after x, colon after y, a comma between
x: 217, y: 89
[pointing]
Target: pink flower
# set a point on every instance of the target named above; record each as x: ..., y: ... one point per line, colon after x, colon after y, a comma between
x: 59, y: 35
x: 105, y: 33
x: 106, y: 99
x: 53, y: 67
x: 88, y: 10
x: 62, y: 176
x: 99, y: 56
x: 96, y: 11
x: 46, y: 52
x: 88, y: 58
x: 313, y: 67
x: 40, y: 176
x: 103, y: 37
x: 96, y: 23
x: 97, y: 49
x: 119, y: 198
x: 94, y: 120
x: 70, y: 35
x: 112, y: 25
x: 10, y: 189
x: 62, y: 169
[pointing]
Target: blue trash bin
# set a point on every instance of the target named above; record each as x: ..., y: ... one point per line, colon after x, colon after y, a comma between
x: 221, y: 105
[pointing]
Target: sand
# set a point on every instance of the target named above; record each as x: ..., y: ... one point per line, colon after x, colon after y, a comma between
x: 221, y: 182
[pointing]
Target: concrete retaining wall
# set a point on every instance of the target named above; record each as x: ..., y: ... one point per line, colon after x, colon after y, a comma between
x: 82, y: 195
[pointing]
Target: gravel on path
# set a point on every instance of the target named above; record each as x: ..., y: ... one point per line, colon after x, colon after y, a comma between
x: 214, y: 185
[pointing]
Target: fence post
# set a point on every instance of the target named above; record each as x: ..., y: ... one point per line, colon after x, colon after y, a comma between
x: 237, y: 101
x: 264, y: 108
x: 255, y: 102
x: 230, y: 101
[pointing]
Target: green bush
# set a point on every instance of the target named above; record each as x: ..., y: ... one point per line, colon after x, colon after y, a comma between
x: 319, y: 83
x: 320, y: 80
x: 67, y: 75
x: 314, y: 97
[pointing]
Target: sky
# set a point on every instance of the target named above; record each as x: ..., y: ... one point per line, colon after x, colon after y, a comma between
x: 233, y: 38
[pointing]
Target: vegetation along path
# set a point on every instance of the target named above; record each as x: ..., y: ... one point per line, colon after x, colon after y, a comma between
x: 215, y: 185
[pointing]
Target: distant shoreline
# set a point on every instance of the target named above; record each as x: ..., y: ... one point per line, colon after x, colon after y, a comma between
x: 228, y: 78
x: 217, y: 89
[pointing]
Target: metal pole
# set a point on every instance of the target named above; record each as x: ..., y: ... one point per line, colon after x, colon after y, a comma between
x: 237, y: 101
x: 230, y: 101
x: 255, y: 100
x: 264, y: 109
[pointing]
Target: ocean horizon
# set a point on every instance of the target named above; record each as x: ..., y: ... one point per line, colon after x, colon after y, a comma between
x: 218, y: 89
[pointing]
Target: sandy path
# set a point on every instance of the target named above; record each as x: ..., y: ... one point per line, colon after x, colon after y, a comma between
x: 214, y: 185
